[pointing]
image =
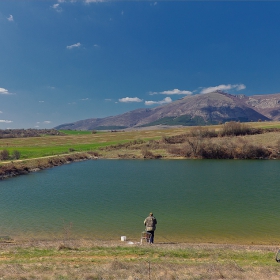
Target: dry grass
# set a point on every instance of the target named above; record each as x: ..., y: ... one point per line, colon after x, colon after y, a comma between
x: 86, y: 259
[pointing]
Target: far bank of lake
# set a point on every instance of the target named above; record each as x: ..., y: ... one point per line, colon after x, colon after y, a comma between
x: 228, y: 201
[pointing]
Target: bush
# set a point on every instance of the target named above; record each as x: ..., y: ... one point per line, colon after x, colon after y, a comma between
x: 203, y: 132
x: 194, y: 146
x: 4, y: 155
x: 174, y: 139
x: 183, y: 151
x: 16, y: 154
x: 235, y: 129
x: 249, y: 151
x: 215, y: 151
x: 148, y: 154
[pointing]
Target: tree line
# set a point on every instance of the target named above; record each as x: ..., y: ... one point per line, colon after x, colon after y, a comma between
x: 20, y: 133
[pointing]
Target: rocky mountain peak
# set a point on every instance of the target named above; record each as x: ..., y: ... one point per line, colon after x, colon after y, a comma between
x: 200, y: 109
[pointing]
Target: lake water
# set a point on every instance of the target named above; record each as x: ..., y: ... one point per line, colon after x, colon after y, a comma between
x: 193, y: 200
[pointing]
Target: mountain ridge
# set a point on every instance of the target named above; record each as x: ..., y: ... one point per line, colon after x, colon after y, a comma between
x: 201, y: 109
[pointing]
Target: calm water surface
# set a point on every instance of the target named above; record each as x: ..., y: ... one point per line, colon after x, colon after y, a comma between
x: 194, y: 201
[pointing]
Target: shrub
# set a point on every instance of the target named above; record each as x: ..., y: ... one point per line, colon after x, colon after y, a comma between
x: 4, y: 155
x: 235, y: 129
x: 203, y: 132
x: 174, y: 139
x: 183, y: 151
x: 215, y: 151
x: 194, y: 145
x: 94, y: 153
x: 148, y: 154
x: 254, y: 152
x: 16, y: 154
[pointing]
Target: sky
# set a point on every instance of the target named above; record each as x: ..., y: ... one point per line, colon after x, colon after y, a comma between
x: 62, y: 61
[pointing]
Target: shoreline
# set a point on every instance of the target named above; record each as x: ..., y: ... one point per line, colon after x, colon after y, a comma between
x: 84, y: 242
x: 24, y: 167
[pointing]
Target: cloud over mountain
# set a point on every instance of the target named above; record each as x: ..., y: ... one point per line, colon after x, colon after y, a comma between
x: 223, y: 88
x: 199, y: 109
x: 130, y: 99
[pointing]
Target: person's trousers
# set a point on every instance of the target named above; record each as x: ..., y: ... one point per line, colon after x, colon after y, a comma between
x: 152, y: 232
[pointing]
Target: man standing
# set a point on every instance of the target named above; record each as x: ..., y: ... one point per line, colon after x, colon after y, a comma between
x: 150, y: 223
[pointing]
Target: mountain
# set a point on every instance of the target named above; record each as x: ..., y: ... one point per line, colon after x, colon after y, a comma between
x: 201, y: 109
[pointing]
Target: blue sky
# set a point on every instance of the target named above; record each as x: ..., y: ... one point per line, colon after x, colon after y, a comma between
x: 64, y: 61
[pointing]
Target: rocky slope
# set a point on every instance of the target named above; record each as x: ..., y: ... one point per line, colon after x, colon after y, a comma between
x: 211, y: 108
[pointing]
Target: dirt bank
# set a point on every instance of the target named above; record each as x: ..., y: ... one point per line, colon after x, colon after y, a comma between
x: 22, y: 167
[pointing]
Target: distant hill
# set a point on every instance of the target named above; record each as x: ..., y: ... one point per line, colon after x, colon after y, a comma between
x: 201, y: 109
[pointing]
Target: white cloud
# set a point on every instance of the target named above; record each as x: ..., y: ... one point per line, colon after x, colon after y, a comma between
x: 5, y: 121
x: 108, y: 99
x: 130, y: 99
x: 41, y: 101
x: 4, y: 91
x: 85, y: 99
x: 164, y: 101
x: 47, y: 121
x: 56, y: 7
x: 77, y: 45
x: 240, y: 87
x: 1, y: 112
x: 10, y: 18
x: 172, y: 92
x: 93, y: 1
x: 223, y: 87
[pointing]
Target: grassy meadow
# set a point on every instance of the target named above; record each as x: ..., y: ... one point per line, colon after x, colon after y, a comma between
x: 84, y: 259
x: 83, y: 141
x: 79, y: 141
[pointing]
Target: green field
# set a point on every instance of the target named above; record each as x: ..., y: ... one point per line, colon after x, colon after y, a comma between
x: 82, y: 141
x: 34, y: 147
x: 76, y: 132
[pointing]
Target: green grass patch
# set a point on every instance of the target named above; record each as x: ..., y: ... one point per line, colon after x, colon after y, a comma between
x: 189, y: 255
x: 76, y: 132
x: 37, y: 152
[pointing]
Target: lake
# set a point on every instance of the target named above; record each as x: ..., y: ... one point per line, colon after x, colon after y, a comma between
x: 224, y: 201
